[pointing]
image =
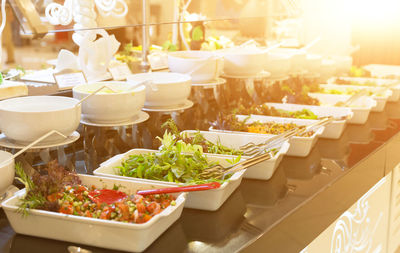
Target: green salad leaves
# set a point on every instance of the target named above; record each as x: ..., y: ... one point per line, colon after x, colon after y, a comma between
x: 176, y: 162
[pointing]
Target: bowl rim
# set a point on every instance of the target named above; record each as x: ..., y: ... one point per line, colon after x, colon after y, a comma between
x: 8, y: 154
x: 66, y: 108
x: 139, y: 89
x: 187, y: 79
x: 206, y: 56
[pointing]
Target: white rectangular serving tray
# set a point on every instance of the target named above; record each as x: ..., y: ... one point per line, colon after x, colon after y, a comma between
x: 299, y: 146
x: 360, y: 108
x: 95, y: 232
x: 380, y: 100
x: 210, y: 200
x: 261, y: 171
x: 334, y: 129
x: 393, y: 84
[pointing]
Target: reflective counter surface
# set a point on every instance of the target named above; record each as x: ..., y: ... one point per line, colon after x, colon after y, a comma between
x: 283, y: 214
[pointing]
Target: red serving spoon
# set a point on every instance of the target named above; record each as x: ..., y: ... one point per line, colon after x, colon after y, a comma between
x: 112, y: 196
x: 107, y: 196
x: 190, y: 188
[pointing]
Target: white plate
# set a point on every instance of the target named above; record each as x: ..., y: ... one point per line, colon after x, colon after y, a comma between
x: 261, y: 171
x: 334, y: 129
x: 95, y: 232
x: 299, y: 146
x: 8, y: 143
x: 393, y: 84
x: 186, y: 105
x: 261, y: 75
x: 141, y: 117
x: 361, y: 109
x: 380, y: 100
x: 210, y: 200
x: 212, y: 83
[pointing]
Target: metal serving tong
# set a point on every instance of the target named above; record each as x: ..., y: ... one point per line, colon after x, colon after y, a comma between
x: 219, y: 172
x: 252, y: 149
x: 352, y: 99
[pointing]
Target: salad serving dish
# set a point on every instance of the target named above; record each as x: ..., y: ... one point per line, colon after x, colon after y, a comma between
x: 394, y: 85
x: 332, y: 130
x: 261, y: 171
x: 163, y: 88
x: 299, y: 145
x: 95, y: 232
x: 25, y: 119
x: 380, y: 95
x: 360, y: 108
x: 120, y: 104
x: 7, y: 172
x: 209, y: 200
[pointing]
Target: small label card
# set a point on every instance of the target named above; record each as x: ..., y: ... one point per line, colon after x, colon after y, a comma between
x: 158, y: 60
x: 119, y: 70
x: 69, y: 78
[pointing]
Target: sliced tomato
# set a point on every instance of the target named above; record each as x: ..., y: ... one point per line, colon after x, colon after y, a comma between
x: 141, y: 207
x: 67, y: 209
x: 153, y: 208
x: 124, y: 210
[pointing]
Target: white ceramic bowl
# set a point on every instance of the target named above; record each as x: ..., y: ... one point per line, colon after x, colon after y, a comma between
x: 328, y: 69
x: 278, y: 64
x: 343, y: 63
x: 243, y: 61
x: 25, y: 119
x: 7, y: 171
x: 166, y: 89
x: 204, y: 65
x: 110, y: 107
x: 298, y: 58
x: 313, y: 63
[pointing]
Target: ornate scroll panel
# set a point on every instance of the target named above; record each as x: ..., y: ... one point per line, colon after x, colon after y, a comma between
x: 362, y: 228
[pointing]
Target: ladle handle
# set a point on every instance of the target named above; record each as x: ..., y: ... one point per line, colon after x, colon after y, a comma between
x: 33, y: 144
x: 272, y: 47
x: 312, y: 43
x: 95, y: 92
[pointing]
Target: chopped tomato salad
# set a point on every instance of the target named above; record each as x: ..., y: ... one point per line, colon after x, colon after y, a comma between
x: 110, y: 204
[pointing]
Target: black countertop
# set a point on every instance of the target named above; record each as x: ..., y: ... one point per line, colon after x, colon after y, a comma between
x: 283, y: 214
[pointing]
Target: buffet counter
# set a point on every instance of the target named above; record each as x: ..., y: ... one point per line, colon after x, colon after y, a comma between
x: 284, y: 214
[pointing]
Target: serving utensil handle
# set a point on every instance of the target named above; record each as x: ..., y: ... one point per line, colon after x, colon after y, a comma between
x: 190, y: 188
x: 92, y: 94
x: 34, y: 143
